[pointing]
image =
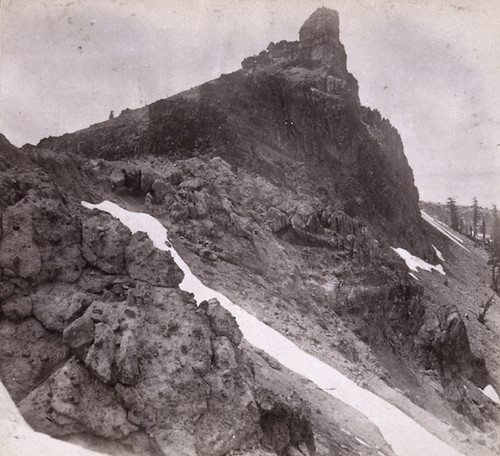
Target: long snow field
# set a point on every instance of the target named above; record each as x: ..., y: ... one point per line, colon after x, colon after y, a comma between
x: 443, y: 228
x: 406, y: 437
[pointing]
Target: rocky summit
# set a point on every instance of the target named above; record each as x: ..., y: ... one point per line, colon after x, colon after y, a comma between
x: 279, y: 190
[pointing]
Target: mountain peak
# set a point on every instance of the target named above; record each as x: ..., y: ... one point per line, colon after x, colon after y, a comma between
x: 322, y: 27
x: 318, y: 48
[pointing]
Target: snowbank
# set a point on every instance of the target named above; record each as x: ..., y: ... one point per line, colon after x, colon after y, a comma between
x: 438, y: 253
x: 491, y: 393
x: 18, y: 439
x: 406, y: 437
x: 415, y: 263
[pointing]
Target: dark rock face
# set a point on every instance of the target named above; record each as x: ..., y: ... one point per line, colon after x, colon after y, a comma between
x: 286, y: 425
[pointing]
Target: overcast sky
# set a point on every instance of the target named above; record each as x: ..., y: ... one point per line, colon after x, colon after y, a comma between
x: 430, y: 66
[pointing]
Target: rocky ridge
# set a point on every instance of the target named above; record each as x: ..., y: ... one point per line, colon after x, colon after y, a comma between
x: 292, y: 115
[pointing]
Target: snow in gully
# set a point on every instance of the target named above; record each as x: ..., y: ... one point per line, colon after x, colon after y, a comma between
x: 406, y: 437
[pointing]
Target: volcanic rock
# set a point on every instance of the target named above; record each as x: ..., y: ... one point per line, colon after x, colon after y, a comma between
x: 104, y: 240
x: 148, y: 264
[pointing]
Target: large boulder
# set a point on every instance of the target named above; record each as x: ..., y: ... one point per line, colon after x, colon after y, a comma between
x: 79, y: 335
x: 56, y: 306
x: 72, y: 401
x: 57, y: 233
x: 104, y: 240
x: 28, y: 354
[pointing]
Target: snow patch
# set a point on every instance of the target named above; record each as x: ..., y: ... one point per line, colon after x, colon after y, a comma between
x: 362, y: 442
x: 443, y: 229
x: 414, y: 263
x: 413, y: 275
x: 438, y: 253
x: 491, y: 393
x: 406, y: 437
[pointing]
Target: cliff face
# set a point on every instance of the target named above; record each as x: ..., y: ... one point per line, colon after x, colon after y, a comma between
x: 291, y: 114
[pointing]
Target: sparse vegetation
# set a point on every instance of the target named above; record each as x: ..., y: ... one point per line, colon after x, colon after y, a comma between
x: 494, y: 251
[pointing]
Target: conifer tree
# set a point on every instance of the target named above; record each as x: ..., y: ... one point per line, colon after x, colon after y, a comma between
x: 494, y: 250
x: 452, y: 207
x: 475, y: 217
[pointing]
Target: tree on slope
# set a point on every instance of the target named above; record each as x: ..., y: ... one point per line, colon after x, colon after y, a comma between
x: 475, y: 217
x: 452, y: 207
x: 494, y: 250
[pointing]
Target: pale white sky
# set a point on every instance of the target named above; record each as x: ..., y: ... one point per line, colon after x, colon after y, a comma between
x: 430, y: 66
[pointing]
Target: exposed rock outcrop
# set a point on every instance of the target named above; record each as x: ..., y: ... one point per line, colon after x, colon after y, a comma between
x: 98, y: 341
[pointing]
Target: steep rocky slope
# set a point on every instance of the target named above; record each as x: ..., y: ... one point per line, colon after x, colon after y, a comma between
x: 279, y: 190
x: 97, y: 340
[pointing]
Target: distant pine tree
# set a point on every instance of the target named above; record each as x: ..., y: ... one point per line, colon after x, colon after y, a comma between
x: 452, y: 207
x: 494, y: 250
x: 475, y: 217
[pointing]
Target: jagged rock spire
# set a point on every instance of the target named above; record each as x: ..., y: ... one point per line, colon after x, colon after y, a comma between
x: 322, y: 27
x: 320, y: 44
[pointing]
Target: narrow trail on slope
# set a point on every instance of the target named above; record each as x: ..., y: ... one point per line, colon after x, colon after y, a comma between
x: 402, y: 433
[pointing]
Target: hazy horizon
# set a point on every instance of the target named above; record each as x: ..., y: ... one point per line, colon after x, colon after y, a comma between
x: 431, y: 69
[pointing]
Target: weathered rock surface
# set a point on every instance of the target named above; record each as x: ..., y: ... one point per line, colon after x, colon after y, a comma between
x: 56, y: 306
x: 17, y: 309
x: 97, y: 340
x: 19, y: 255
x: 104, y: 241
x: 28, y: 355
x: 222, y: 322
x: 148, y: 264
